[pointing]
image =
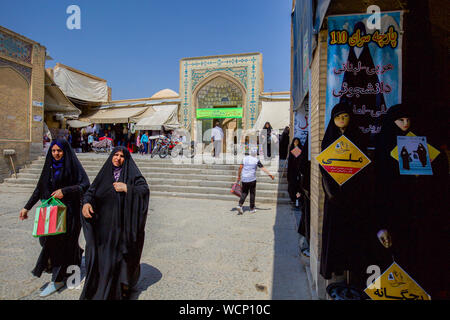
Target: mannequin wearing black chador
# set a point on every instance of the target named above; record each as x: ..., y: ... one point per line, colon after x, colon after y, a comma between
x: 345, y: 210
x: 411, y: 212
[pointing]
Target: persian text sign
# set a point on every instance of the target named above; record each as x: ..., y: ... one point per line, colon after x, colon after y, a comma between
x: 396, y: 284
x: 342, y: 160
x: 364, y: 67
x: 219, y: 113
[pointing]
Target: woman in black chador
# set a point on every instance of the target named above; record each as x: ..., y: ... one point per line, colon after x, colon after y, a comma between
x: 304, y: 225
x: 64, y: 178
x: 422, y: 153
x: 115, y: 212
x: 345, y: 220
x: 405, y: 158
x: 411, y: 212
x: 284, y: 144
x: 293, y: 172
x: 266, y: 140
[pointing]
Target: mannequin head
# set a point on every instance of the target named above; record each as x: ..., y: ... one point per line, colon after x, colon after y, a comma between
x: 342, y: 120
x: 403, y: 123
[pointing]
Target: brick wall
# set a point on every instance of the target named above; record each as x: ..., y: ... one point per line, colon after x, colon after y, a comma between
x: 318, y: 96
x: 22, y: 66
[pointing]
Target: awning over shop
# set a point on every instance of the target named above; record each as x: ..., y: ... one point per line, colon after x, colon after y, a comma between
x: 56, y: 101
x: 78, y: 124
x: 275, y: 112
x: 157, y: 116
x: 80, y: 85
x: 114, y: 115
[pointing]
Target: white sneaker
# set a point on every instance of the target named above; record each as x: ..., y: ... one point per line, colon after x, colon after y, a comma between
x: 239, y: 209
x: 253, y: 211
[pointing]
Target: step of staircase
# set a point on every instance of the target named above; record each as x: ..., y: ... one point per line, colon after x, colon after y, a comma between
x: 169, y: 179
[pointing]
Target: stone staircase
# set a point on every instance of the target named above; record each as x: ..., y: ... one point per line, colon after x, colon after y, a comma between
x: 169, y: 179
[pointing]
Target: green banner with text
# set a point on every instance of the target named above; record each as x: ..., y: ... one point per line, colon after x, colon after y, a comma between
x: 219, y: 113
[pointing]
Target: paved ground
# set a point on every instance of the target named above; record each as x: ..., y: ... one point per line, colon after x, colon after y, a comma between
x: 194, y: 249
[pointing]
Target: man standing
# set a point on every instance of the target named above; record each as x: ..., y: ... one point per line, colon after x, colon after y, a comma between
x: 248, y: 171
x: 216, y: 138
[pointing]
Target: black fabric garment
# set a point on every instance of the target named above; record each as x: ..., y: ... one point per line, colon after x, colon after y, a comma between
x: 372, y: 103
x: 60, y: 251
x: 344, y: 221
x: 284, y: 144
x: 414, y: 210
x: 268, y: 140
x: 305, y: 173
x: 293, y: 171
x: 246, y: 188
x: 115, y: 233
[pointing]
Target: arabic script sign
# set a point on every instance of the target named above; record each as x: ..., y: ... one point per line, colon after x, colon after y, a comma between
x: 219, y: 113
x: 396, y: 284
x: 364, y: 67
x: 342, y: 160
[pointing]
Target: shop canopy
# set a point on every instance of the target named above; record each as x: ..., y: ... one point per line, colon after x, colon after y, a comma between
x: 157, y: 116
x: 114, y: 115
x: 78, y: 124
x: 80, y: 85
x: 276, y: 112
x: 56, y: 101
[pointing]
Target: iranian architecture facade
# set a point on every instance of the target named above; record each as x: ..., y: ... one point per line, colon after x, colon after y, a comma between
x: 227, y: 81
x: 22, y: 76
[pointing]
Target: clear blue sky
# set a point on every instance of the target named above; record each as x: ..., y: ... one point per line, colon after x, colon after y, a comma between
x: 137, y: 44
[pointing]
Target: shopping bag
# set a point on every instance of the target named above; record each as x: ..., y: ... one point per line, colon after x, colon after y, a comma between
x: 236, y: 189
x: 50, y: 218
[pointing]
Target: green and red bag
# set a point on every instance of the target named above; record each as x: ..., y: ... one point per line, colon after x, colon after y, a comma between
x: 50, y: 218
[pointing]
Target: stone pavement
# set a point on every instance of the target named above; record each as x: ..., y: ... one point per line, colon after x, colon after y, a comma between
x: 194, y: 249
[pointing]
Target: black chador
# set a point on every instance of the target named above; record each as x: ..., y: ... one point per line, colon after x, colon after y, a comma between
x: 345, y: 218
x: 293, y: 171
x: 366, y: 104
x: 115, y: 233
x: 305, y: 171
x: 413, y: 209
x: 61, y: 251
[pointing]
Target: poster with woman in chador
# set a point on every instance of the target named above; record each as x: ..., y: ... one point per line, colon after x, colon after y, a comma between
x: 364, y: 66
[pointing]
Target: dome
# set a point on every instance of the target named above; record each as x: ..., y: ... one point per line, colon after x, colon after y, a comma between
x: 165, y: 93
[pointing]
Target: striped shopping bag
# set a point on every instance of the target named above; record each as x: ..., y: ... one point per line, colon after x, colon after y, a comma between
x: 50, y: 218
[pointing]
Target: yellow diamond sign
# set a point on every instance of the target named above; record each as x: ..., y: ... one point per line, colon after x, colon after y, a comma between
x: 342, y: 160
x: 396, y: 284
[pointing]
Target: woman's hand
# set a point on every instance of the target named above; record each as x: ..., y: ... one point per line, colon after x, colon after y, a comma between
x: 120, y: 186
x: 23, y: 214
x: 57, y: 194
x: 385, y: 238
x: 87, y: 210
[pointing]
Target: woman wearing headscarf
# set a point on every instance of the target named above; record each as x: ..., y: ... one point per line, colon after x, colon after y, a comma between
x: 411, y: 212
x: 284, y: 144
x: 266, y: 139
x: 64, y: 178
x: 114, y: 216
x: 344, y: 221
x: 293, y: 171
x: 305, y: 173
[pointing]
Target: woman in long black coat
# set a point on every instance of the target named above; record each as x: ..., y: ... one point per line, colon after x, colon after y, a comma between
x: 344, y: 221
x: 115, y: 212
x: 284, y: 144
x: 64, y: 178
x: 411, y: 211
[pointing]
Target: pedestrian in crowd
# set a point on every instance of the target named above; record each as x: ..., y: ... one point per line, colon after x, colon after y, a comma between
x: 96, y: 138
x: 144, y: 141
x: 64, y: 178
x: 247, y: 171
x: 216, y: 139
x: 114, y: 216
x: 76, y: 140
x: 139, y: 145
x: 266, y: 140
x: 284, y: 144
x: 305, y: 199
x: 293, y: 172
x: 90, y: 141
